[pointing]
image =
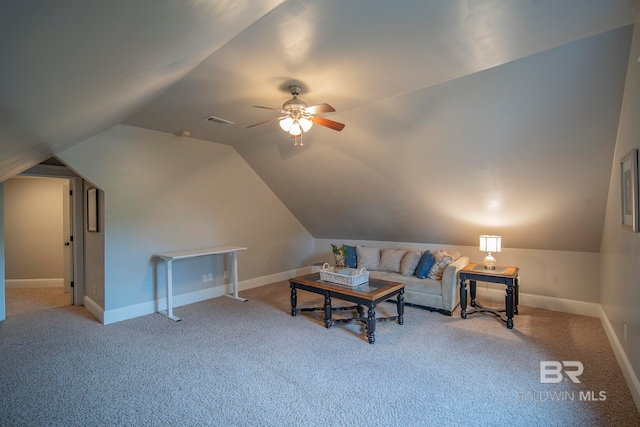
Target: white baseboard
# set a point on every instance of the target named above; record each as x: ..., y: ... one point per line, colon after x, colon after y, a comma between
x: 93, y: 308
x: 150, y: 307
x: 33, y: 283
x: 582, y: 308
x: 623, y: 360
x: 132, y: 311
x: 550, y: 303
x: 272, y: 278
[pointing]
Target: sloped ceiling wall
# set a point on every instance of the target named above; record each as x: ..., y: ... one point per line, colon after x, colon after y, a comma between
x: 523, y: 150
x: 463, y: 117
x: 73, y: 68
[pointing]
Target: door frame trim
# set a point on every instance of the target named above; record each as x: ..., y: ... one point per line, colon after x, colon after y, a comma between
x: 76, y: 185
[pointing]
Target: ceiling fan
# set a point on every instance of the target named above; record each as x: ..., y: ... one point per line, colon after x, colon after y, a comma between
x: 299, y: 117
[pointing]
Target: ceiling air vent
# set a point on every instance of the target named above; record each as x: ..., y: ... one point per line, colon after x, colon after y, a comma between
x: 219, y: 121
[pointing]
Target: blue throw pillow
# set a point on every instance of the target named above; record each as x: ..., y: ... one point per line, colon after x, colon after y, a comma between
x: 425, y: 264
x: 351, y: 260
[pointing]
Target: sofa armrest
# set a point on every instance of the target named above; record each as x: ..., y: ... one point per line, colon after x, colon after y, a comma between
x: 450, y: 282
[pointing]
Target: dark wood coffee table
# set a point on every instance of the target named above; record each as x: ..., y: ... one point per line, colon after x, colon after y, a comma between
x: 368, y: 294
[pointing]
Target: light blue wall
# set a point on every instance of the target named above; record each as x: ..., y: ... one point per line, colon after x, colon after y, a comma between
x: 166, y: 193
x: 620, y: 249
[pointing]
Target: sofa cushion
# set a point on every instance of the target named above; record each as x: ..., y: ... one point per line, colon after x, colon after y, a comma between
x: 441, y: 260
x: 379, y: 275
x: 368, y: 258
x: 409, y: 263
x: 412, y: 283
x: 454, y: 254
x: 351, y: 260
x: 424, y: 265
x: 390, y: 260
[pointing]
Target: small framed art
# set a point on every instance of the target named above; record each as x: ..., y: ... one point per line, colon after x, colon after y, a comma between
x: 629, y: 190
x: 92, y: 209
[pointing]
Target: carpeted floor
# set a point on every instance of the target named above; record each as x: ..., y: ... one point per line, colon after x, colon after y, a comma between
x: 21, y: 301
x: 232, y: 363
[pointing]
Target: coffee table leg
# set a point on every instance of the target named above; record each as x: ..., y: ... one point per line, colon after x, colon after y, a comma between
x: 401, y: 307
x: 294, y: 301
x: 472, y: 292
x: 509, y: 304
x: 516, y: 294
x: 463, y: 297
x: 371, y: 325
x: 327, y: 311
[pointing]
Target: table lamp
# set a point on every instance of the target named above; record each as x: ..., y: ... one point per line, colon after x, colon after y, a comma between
x: 490, y: 244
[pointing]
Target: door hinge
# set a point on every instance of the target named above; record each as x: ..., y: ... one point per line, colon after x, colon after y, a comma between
x: 71, y: 192
x: 72, y: 284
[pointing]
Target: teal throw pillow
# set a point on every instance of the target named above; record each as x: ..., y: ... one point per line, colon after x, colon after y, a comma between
x: 351, y: 260
x: 425, y: 264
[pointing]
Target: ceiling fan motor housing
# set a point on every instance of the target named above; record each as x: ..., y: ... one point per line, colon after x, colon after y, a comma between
x: 295, y: 106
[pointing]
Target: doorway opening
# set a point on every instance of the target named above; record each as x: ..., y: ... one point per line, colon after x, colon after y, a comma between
x: 43, y: 239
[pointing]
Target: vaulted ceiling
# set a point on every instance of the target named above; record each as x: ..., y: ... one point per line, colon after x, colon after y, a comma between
x: 462, y: 117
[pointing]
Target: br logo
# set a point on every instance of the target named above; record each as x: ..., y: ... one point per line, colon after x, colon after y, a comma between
x: 551, y: 371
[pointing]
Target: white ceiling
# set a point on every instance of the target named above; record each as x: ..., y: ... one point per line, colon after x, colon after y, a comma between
x: 462, y: 117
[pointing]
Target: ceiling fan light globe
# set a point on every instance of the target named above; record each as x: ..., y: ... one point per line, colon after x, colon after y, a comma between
x: 286, y: 123
x: 305, y: 124
x: 295, y: 129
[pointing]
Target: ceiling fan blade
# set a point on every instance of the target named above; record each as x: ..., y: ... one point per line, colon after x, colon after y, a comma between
x: 267, y: 121
x: 320, y: 108
x: 269, y: 108
x: 327, y: 123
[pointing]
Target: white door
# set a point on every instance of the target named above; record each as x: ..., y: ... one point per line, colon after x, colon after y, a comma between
x: 67, y: 226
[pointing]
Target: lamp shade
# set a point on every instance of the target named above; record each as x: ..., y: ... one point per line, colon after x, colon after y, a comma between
x: 305, y: 124
x: 490, y: 243
x: 286, y: 123
x: 295, y: 128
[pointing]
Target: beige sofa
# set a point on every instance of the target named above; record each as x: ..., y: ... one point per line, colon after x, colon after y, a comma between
x: 435, y: 295
x: 438, y: 292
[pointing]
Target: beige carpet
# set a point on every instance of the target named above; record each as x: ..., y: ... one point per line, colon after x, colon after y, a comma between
x: 233, y: 363
x: 32, y: 300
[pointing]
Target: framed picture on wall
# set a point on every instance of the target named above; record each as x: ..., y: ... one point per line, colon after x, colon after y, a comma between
x: 629, y: 190
x: 92, y: 210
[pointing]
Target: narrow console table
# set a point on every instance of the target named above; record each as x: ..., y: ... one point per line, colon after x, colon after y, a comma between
x: 169, y: 257
x: 508, y: 276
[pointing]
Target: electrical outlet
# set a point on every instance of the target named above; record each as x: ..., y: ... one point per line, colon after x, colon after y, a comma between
x: 625, y: 333
x: 210, y: 277
x: 226, y: 274
x: 204, y: 278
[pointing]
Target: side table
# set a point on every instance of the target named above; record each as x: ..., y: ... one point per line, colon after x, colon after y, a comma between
x: 508, y: 276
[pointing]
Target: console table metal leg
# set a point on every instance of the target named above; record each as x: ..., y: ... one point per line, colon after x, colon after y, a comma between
x: 509, y: 304
x: 371, y: 325
x: 169, y: 311
x: 234, y: 266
